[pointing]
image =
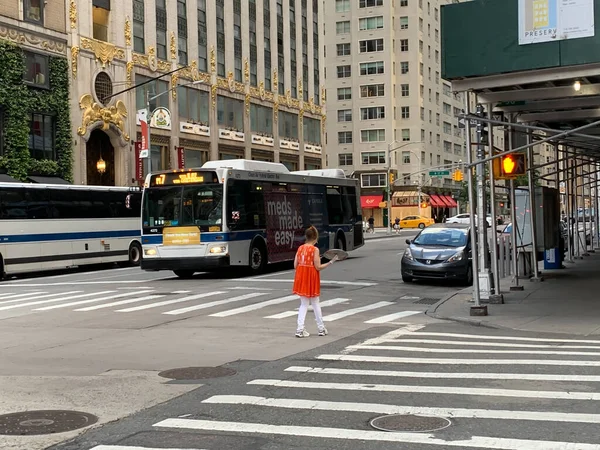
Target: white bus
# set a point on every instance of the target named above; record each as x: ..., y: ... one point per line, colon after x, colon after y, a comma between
x: 244, y: 213
x: 57, y: 226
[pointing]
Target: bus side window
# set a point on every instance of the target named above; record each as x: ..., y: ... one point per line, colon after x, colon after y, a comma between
x: 349, y: 204
x: 13, y: 204
x: 38, y: 204
x: 334, y: 205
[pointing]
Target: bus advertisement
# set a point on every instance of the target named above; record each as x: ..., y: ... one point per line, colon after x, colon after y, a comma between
x: 244, y: 213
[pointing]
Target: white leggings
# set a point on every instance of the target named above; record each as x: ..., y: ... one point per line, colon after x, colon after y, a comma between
x: 304, y: 302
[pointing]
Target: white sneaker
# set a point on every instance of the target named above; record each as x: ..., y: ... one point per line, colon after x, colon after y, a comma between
x: 323, y: 332
x: 302, y: 334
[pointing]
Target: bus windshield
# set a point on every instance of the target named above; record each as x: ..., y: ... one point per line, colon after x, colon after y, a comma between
x: 199, y: 205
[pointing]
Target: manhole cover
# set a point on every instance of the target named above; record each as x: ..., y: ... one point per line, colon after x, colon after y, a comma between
x: 44, y: 422
x: 197, y: 373
x: 409, y: 422
x: 427, y: 301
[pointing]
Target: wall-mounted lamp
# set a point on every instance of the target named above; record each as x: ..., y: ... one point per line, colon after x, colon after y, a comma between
x: 101, y: 165
x: 577, y: 86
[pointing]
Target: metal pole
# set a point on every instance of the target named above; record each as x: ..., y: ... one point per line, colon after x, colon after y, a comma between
x: 585, y: 227
x: 484, y: 273
x: 474, y: 246
x: 596, y: 218
x: 513, y: 232
x: 532, y: 211
x: 557, y: 183
x: 590, y: 210
x: 568, y: 207
x: 389, y: 201
x: 575, y: 223
x: 494, y: 237
x: 419, y: 179
x: 148, y: 120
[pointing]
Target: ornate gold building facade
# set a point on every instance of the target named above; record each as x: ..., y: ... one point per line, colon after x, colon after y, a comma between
x: 238, y: 79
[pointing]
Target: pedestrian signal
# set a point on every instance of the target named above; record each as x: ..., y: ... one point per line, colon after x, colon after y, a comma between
x: 510, y: 166
x: 457, y: 175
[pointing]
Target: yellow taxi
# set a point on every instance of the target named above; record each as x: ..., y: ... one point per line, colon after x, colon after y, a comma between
x: 416, y: 222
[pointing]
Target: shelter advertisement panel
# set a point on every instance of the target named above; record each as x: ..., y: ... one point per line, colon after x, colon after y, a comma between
x: 555, y: 20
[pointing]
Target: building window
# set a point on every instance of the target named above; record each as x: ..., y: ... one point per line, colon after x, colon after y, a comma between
x: 193, y: 105
x: 371, y: 45
x: 33, y: 11
x: 293, y: 63
x: 345, y: 137
x: 372, y: 90
x: 403, y: 45
x: 372, y: 180
x: 316, y: 70
x: 228, y: 113
x: 372, y: 68
x: 405, y: 112
x: 280, y: 55
x: 261, y: 119
x: 447, y: 147
x: 437, y: 119
x: 372, y: 135
x: 343, y: 49
x: 202, y: 37
x: 161, y: 29
x: 36, y: 70
x: 345, y: 159
x: 447, y: 128
x: 406, y: 134
x: 312, y: 130
x: 344, y: 115
x: 405, y: 90
x: 41, y: 137
x: 237, y: 41
x: 138, y: 26
x: 435, y: 13
x: 100, y: 21
x: 152, y: 88
x: 344, y: 93
x: 373, y: 157
x: 267, y: 43
x: 447, y: 109
x: 220, y: 38
x: 372, y: 113
x: 344, y: 71
x: 253, y: 47
x: 404, y: 67
x: 182, y: 33
x: 369, y: 3
x: 404, y: 23
x: 342, y: 27
x: 370, y: 23
x: 403, y: 2
x: 288, y: 125
x: 342, y: 6
x: 405, y: 157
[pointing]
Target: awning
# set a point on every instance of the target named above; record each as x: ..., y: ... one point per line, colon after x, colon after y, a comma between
x: 7, y: 179
x: 47, y: 180
x: 436, y: 202
x: 370, y: 201
x: 449, y: 201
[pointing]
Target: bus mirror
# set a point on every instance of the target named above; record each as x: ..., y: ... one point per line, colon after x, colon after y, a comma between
x: 128, y: 201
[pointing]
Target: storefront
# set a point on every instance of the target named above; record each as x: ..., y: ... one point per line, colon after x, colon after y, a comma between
x: 442, y: 207
x: 406, y: 203
x: 372, y: 207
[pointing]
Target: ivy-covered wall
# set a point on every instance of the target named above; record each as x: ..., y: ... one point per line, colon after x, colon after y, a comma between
x: 18, y: 101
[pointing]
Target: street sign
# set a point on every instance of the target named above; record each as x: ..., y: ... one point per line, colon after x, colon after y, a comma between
x: 439, y: 173
x: 462, y: 123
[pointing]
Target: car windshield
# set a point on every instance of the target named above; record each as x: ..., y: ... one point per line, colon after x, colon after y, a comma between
x: 445, y: 237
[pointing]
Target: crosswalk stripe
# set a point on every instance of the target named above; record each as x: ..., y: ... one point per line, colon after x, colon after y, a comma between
x: 393, y: 316
x: 452, y: 390
x: 171, y: 302
x: 94, y: 300
x: 462, y: 350
x: 379, y: 408
x: 333, y: 301
x: 19, y: 299
x: 351, y: 312
x: 239, y: 298
x: 21, y: 305
x: 255, y: 306
x: 504, y: 338
x: 453, y: 361
x: 130, y: 447
x: 363, y: 435
x: 119, y: 303
x: 444, y: 375
x: 407, y: 340
x: 6, y: 294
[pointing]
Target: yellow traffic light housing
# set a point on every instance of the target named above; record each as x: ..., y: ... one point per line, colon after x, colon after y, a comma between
x: 457, y: 175
x: 509, y: 167
x: 392, y: 178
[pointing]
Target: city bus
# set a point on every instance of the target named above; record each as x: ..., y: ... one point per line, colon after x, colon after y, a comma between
x: 244, y: 213
x: 59, y: 226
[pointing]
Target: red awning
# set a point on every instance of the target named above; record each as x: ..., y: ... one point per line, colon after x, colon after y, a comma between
x: 436, y: 202
x: 370, y: 201
x: 449, y: 201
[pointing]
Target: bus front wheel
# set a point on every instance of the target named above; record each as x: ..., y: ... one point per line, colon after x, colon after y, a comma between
x: 258, y: 258
x: 135, y: 253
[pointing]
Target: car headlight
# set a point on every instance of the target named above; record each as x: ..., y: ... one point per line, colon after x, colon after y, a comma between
x: 456, y: 257
x: 218, y: 250
x: 150, y: 251
x: 408, y: 254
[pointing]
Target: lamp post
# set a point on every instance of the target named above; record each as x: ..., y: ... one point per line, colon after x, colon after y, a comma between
x: 389, y: 167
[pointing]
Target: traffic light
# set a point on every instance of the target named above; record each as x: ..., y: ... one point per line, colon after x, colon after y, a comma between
x: 392, y: 178
x: 457, y: 175
x: 510, y: 166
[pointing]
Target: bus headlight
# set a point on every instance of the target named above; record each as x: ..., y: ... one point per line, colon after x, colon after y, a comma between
x: 150, y: 251
x: 218, y: 250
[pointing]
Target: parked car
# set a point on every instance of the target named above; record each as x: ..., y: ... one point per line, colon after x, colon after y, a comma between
x: 466, y: 219
x: 416, y: 222
x: 440, y: 251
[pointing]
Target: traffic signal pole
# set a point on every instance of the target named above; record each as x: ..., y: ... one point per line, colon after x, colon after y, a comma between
x: 532, y: 210
x: 497, y: 297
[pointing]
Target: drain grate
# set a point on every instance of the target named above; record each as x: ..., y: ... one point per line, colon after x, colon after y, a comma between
x: 409, y: 422
x: 427, y: 301
x: 30, y: 423
x: 197, y: 373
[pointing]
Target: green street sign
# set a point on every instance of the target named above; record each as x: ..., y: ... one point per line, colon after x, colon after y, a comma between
x: 439, y: 173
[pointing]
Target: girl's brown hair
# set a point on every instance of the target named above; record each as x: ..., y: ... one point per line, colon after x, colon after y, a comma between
x: 311, y: 234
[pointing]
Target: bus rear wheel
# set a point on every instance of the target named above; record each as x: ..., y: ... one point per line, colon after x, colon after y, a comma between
x: 184, y: 273
x: 258, y: 258
x: 135, y: 254
x: 340, y: 242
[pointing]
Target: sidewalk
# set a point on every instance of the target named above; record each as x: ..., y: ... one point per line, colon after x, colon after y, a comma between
x: 567, y: 301
x: 381, y: 233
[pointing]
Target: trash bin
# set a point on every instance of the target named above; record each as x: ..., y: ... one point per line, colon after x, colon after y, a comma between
x: 552, y: 259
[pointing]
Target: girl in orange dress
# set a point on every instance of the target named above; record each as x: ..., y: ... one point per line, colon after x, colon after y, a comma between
x: 307, y: 281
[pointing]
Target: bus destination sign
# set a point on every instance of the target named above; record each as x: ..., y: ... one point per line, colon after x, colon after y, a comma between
x: 176, y: 178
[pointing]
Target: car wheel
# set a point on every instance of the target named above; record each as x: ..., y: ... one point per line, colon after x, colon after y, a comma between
x: 421, y: 226
x: 406, y: 278
x: 185, y: 274
x: 469, y: 278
